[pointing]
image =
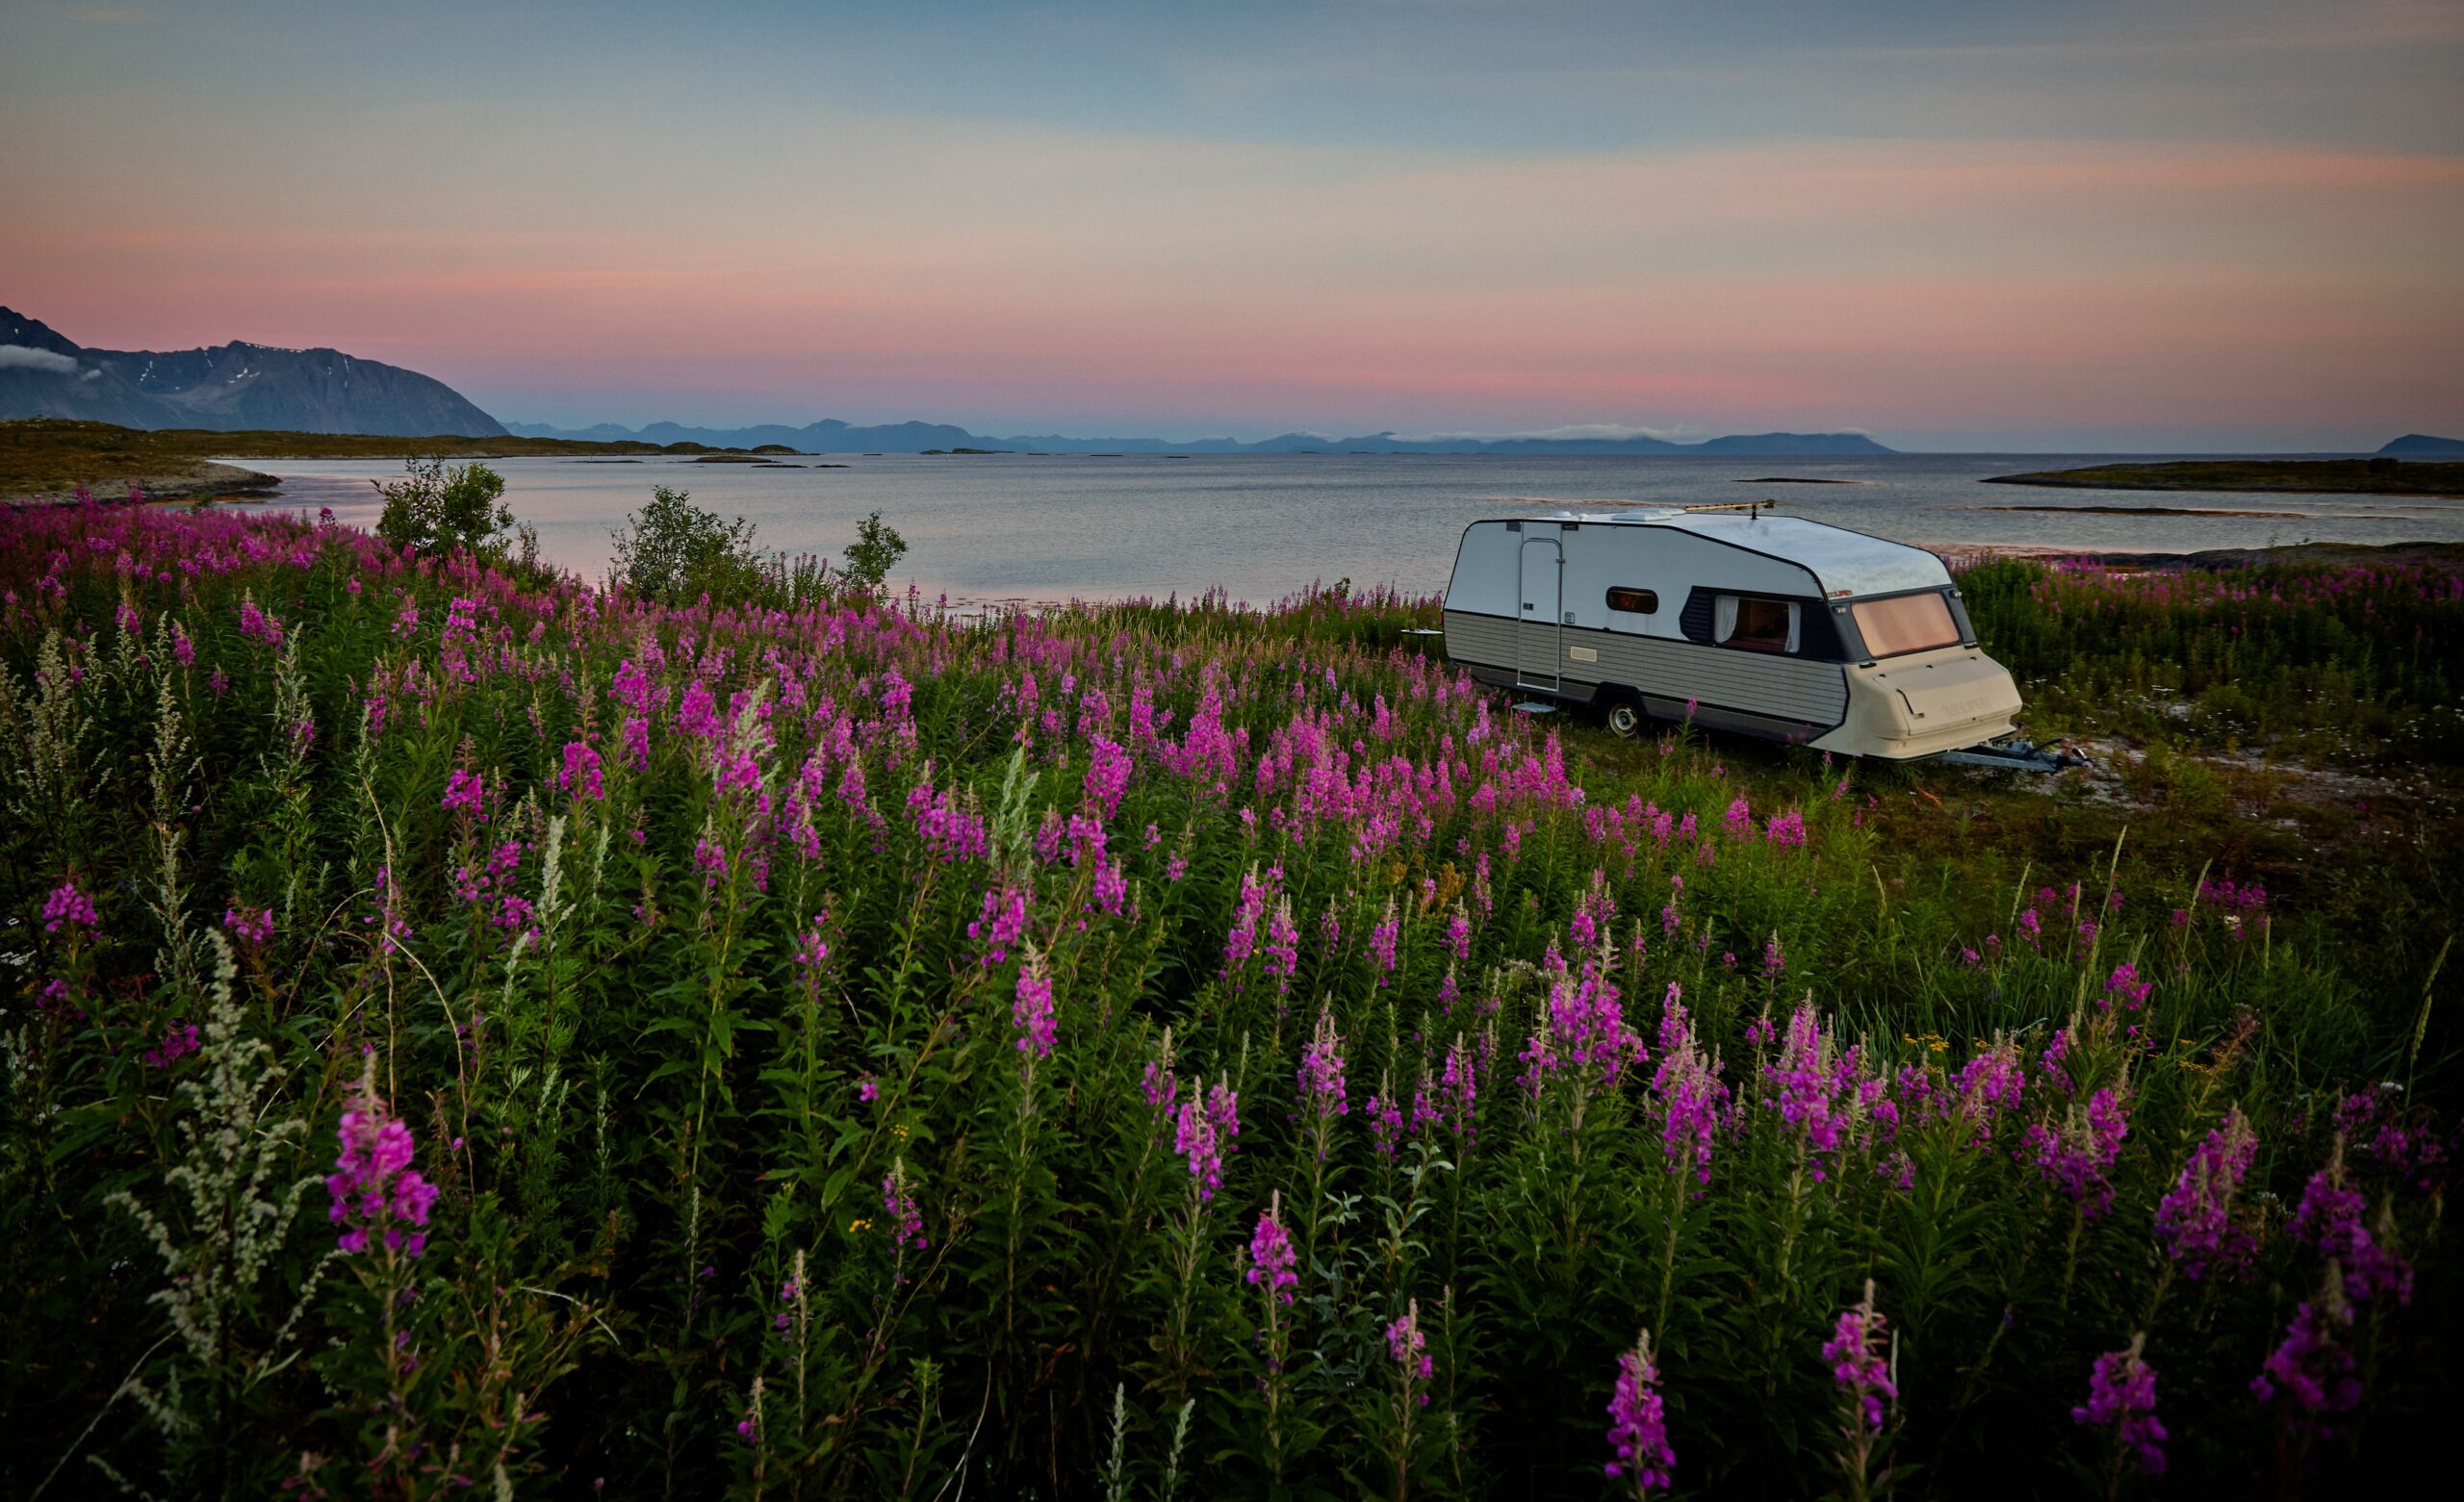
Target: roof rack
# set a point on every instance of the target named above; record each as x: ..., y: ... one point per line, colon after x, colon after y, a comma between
x: 1735, y: 505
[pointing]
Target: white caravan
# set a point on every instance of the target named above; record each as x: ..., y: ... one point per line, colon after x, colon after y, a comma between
x: 1738, y: 620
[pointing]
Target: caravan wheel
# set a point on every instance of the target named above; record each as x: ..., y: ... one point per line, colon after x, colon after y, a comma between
x: 1625, y: 719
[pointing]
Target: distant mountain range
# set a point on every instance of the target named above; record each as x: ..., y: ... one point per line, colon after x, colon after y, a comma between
x: 238, y: 387
x: 228, y: 388
x: 831, y: 436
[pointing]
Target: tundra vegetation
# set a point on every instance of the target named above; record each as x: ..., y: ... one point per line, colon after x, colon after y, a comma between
x: 470, y: 1032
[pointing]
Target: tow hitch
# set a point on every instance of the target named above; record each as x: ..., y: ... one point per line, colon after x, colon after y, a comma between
x: 2016, y: 756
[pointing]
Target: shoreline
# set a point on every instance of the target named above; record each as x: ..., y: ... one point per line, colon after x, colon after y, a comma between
x: 2389, y: 477
x: 201, y: 482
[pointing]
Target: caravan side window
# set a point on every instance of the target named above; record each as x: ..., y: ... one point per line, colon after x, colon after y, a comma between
x: 1641, y: 601
x: 1760, y: 626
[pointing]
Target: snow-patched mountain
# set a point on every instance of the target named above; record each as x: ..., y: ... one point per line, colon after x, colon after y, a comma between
x: 227, y: 388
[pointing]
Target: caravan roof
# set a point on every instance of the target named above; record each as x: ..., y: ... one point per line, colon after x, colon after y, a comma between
x: 1844, y: 562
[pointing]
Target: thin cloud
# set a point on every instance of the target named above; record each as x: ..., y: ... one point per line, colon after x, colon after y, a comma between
x: 26, y: 357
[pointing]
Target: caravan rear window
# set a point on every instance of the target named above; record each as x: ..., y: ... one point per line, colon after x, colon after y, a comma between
x: 1641, y: 601
x: 1905, y: 623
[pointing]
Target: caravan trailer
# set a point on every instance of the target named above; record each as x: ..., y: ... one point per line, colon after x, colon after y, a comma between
x: 1738, y: 620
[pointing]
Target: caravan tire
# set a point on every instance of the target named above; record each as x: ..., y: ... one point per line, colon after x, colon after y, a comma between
x: 1625, y: 718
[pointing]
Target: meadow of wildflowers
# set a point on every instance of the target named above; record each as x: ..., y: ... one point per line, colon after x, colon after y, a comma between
x: 1106, y: 1052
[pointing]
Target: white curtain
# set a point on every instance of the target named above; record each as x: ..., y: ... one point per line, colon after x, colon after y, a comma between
x: 1723, y: 617
x: 1792, y: 628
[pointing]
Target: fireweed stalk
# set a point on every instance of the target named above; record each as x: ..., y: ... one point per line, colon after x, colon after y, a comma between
x: 382, y: 1204
x: 1868, y: 1388
x: 1321, y: 1098
x: 1271, y: 1271
x: 1638, y: 1426
x: 1407, y: 1348
x: 1203, y: 1132
x: 2121, y: 1395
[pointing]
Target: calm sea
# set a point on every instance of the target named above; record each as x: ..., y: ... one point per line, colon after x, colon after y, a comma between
x: 1039, y: 528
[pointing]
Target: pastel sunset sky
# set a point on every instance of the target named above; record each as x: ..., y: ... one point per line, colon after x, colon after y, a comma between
x: 2150, y: 225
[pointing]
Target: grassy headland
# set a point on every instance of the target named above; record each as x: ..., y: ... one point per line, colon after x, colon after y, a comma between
x: 2317, y: 476
x: 47, y: 458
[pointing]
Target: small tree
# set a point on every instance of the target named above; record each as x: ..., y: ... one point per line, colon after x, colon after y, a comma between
x: 675, y: 551
x: 875, y: 552
x: 434, y: 511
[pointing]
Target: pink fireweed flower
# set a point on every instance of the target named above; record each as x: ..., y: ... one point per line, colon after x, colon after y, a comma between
x: 1458, y: 1091
x: 1740, y: 819
x: 951, y: 828
x: 1200, y: 1135
x: 67, y: 905
x: 2312, y: 1368
x: 251, y: 926
x: 1687, y: 1086
x: 2330, y: 1219
x: 1788, y: 828
x: 1160, y: 1086
x: 1321, y: 1070
x: 2194, y: 1221
x: 465, y: 791
x: 1386, y: 1128
x: 1241, y: 941
x: 1458, y: 932
x: 2123, y: 986
x: 1807, y: 1084
x: 1382, y: 940
x: 1033, y: 1011
x: 1773, y: 963
x: 1857, y: 1365
x: 256, y: 624
x: 582, y: 773
x: 1283, y: 944
x: 898, y: 1203
x: 177, y: 1044
x: 1637, y: 1425
x: 2075, y: 1153
x: 1409, y: 1347
x: 710, y: 858
x: 1000, y: 924
x: 1272, y: 1261
x: 374, y: 1186
x: 1107, y: 776
x: 2122, y: 1397
x: 1990, y: 1082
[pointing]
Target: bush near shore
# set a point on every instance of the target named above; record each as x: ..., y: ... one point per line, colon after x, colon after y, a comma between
x: 471, y: 1036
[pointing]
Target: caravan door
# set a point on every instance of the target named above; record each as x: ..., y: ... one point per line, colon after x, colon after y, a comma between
x: 1538, y: 636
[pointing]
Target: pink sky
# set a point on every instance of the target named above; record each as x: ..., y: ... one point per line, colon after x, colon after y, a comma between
x: 779, y: 252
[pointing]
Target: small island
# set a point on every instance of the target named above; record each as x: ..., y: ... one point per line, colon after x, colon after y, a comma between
x: 2379, y: 476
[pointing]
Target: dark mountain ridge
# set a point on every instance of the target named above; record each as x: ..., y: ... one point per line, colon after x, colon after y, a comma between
x: 831, y: 436
x: 227, y: 388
